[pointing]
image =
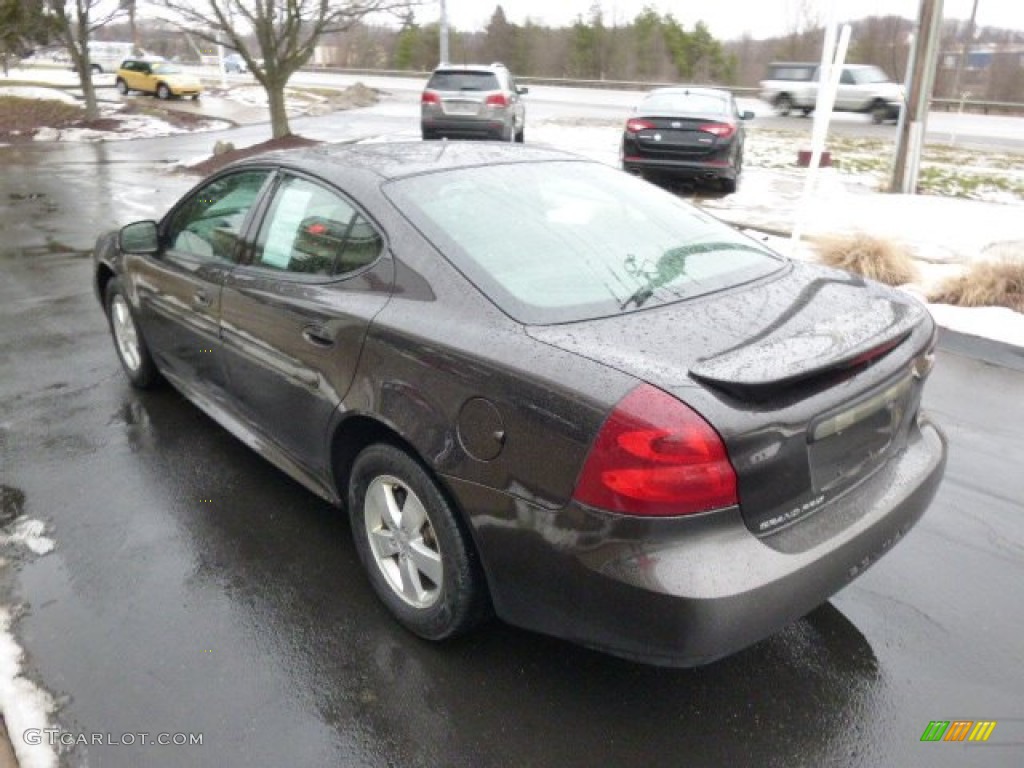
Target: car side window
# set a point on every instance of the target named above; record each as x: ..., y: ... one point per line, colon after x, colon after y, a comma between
x: 847, y: 78
x: 209, y: 224
x: 312, y: 231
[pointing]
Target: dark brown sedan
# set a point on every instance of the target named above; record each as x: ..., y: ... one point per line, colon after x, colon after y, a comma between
x: 540, y: 387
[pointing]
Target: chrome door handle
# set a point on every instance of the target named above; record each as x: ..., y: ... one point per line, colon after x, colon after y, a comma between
x: 318, y: 336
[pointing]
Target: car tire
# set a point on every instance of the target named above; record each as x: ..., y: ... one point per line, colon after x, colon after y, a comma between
x: 807, y: 111
x: 728, y: 185
x: 783, y: 104
x: 419, y: 559
x: 879, y: 112
x: 195, y: 97
x: 428, y: 135
x: 122, y: 86
x: 128, y: 341
x: 509, y: 133
x: 521, y: 135
x: 163, y: 92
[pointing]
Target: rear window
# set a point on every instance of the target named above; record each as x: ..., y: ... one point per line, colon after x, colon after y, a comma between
x: 564, y: 241
x: 685, y: 103
x: 460, y: 80
x: 790, y: 72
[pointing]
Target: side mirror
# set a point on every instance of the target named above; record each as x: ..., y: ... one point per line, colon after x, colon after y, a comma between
x: 522, y: 90
x: 140, y: 237
x: 748, y: 115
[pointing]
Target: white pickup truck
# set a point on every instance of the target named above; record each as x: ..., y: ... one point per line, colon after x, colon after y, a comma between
x: 864, y: 88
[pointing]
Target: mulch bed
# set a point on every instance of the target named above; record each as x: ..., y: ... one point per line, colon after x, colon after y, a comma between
x: 19, y: 118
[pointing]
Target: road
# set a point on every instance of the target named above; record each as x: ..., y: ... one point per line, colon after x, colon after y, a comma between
x: 972, y: 131
x: 195, y: 589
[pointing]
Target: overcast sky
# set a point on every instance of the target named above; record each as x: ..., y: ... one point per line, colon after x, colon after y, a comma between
x: 726, y: 19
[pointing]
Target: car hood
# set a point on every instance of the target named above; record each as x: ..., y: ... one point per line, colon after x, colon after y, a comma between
x: 751, y: 340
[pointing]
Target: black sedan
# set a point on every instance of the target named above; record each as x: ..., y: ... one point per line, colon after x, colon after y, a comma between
x: 688, y: 134
x: 540, y: 387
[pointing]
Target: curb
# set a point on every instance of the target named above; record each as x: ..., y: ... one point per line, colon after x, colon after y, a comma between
x: 980, y: 348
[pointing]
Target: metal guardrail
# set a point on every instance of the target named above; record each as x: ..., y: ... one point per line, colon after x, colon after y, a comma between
x: 945, y: 104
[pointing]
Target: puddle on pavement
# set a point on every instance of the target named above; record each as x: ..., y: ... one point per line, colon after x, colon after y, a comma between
x: 12, y: 503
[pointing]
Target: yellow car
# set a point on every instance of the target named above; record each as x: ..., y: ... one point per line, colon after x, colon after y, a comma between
x: 159, y: 77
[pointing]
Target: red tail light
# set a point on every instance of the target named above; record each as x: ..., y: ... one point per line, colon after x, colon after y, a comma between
x: 635, y: 125
x: 497, y: 100
x: 429, y: 97
x: 721, y: 130
x: 656, y: 456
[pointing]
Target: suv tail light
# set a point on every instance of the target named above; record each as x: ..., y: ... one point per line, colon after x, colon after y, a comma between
x: 721, y: 130
x: 497, y: 100
x: 635, y: 125
x: 656, y: 456
x: 430, y: 97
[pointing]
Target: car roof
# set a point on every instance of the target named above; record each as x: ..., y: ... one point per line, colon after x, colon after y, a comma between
x: 496, y: 67
x: 394, y: 160
x: 688, y: 90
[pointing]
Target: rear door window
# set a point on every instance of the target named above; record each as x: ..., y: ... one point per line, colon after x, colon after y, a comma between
x: 460, y: 80
x: 311, y: 230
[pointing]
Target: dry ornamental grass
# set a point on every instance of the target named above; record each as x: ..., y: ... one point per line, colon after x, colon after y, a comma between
x: 868, y: 256
x: 986, y: 284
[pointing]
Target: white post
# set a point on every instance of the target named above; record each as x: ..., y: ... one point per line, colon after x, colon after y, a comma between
x: 220, y: 63
x: 823, y: 116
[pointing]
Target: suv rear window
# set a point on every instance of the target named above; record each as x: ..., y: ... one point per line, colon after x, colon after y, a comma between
x: 791, y: 72
x: 461, y: 80
x: 563, y: 241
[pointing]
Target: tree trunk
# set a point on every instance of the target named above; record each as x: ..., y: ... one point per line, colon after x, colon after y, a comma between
x: 92, y: 109
x: 84, y: 70
x: 278, y: 114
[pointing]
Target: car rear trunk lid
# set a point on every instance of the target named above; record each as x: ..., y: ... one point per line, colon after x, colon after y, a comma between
x: 812, y: 379
x: 678, y: 135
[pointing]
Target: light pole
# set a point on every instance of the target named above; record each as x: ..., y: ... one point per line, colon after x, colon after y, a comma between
x: 961, y: 60
x: 914, y: 114
x: 444, y: 33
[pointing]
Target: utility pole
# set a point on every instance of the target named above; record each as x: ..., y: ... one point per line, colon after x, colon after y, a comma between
x: 914, y: 115
x: 444, y: 33
x: 964, y: 51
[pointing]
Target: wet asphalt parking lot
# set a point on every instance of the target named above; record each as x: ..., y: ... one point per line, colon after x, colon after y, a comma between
x: 195, y: 589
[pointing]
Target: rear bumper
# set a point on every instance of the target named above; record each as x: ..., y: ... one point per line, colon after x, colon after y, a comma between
x: 678, y: 169
x: 464, y: 127
x: 687, y: 591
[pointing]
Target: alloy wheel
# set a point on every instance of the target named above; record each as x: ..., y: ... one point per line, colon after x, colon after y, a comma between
x: 125, y: 334
x: 403, y: 542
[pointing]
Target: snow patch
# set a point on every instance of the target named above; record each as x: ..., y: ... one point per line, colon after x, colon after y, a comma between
x: 36, y: 93
x: 996, y: 323
x: 28, y: 533
x: 26, y: 707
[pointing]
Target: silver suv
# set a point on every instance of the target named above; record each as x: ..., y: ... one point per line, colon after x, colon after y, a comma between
x: 473, y: 101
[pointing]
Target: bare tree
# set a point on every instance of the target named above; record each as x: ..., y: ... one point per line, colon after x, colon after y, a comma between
x: 23, y: 24
x: 75, y: 21
x: 286, y: 34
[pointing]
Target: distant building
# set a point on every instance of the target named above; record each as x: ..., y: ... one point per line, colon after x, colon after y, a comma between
x: 993, y: 72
